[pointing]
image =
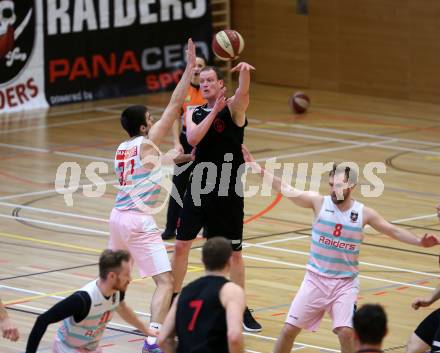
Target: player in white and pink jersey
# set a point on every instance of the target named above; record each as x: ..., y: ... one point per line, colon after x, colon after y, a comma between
x: 132, y: 225
x: 86, y: 313
x: 331, y: 283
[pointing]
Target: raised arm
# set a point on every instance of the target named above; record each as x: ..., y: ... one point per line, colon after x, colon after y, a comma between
x: 233, y: 300
x: 168, y: 331
x: 176, y: 136
x: 238, y: 103
x: 376, y: 221
x: 306, y: 199
x: 196, y: 132
x: 160, y: 129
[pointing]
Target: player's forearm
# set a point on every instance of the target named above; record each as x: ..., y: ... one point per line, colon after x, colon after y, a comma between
x: 195, y: 133
x: 435, y: 295
x: 244, y: 81
x: 128, y: 315
x: 168, y: 345
x: 405, y: 236
x: 37, y: 333
x: 176, y: 132
x: 179, y: 94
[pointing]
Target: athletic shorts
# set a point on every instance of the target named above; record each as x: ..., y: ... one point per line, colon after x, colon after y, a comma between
x: 138, y: 233
x: 319, y: 294
x: 59, y: 347
x: 220, y: 215
x: 429, y: 329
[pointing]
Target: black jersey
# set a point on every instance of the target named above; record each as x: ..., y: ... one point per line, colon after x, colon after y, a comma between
x: 223, y: 136
x: 201, y: 318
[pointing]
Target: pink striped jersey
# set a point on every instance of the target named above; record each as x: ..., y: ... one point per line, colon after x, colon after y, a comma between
x: 139, y: 187
x: 336, y: 238
x: 87, y: 333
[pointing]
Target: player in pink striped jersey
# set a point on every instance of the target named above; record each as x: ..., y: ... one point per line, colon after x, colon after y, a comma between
x: 137, y: 165
x: 331, y: 280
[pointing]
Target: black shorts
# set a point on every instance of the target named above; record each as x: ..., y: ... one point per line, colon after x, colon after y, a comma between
x: 429, y: 329
x: 220, y: 215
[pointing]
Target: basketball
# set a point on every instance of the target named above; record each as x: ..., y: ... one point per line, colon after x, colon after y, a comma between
x: 299, y: 102
x: 227, y: 44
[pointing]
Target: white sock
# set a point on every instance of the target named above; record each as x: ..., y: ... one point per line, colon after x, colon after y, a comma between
x: 151, y: 339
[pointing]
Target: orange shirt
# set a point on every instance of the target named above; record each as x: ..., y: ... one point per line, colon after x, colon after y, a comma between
x: 193, y: 99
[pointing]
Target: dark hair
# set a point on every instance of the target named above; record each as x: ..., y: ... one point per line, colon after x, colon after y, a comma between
x: 216, y: 253
x: 350, y: 174
x: 217, y: 71
x: 133, y: 118
x: 111, y: 261
x: 370, y: 323
x: 199, y: 54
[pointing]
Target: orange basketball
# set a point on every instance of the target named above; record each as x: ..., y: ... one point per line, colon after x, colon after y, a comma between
x: 299, y: 102
x: 227, y: 44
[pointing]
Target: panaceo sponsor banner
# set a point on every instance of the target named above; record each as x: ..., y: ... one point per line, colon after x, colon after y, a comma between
x: 21, y: 56
x: 108, y: 48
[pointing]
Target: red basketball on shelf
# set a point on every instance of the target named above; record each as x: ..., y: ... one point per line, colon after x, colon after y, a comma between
x: 299, y: 102
x: 227, y: 44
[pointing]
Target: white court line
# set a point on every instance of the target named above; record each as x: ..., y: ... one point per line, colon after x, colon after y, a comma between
x: 60, y: 225
x: 308, y: 153
x: 65, y: 123
x: 343, y: 132
x: 45, y: 210
x: 259, y: 245
x: 24, y: 148
x: 305, y: 136
x: 415, y: 218
x: 84, y: 156
x: 283, y: 240
x: 291, y: 264
x: 111, y: 324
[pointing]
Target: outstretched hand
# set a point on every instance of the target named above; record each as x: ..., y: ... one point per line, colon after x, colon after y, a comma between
x: 429, y: 240
x: 242, y: 67
x: 191, y: 54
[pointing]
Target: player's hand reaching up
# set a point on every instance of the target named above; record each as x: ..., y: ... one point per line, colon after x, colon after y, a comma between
x: 429, y: 240
x: 191, y: 54
x: 242, y: 67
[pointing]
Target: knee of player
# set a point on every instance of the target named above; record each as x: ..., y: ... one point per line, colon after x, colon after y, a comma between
x: 166, y: 281
x: 237, y: 257
x: 344, y: 333
x: 290, y: 331
x: 182, y: 248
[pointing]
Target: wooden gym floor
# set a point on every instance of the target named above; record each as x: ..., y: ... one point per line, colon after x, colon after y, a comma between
x: 49, y: 249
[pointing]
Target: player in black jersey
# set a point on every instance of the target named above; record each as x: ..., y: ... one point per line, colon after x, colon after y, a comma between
x: 207, y: 316
x: 214, y: 196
